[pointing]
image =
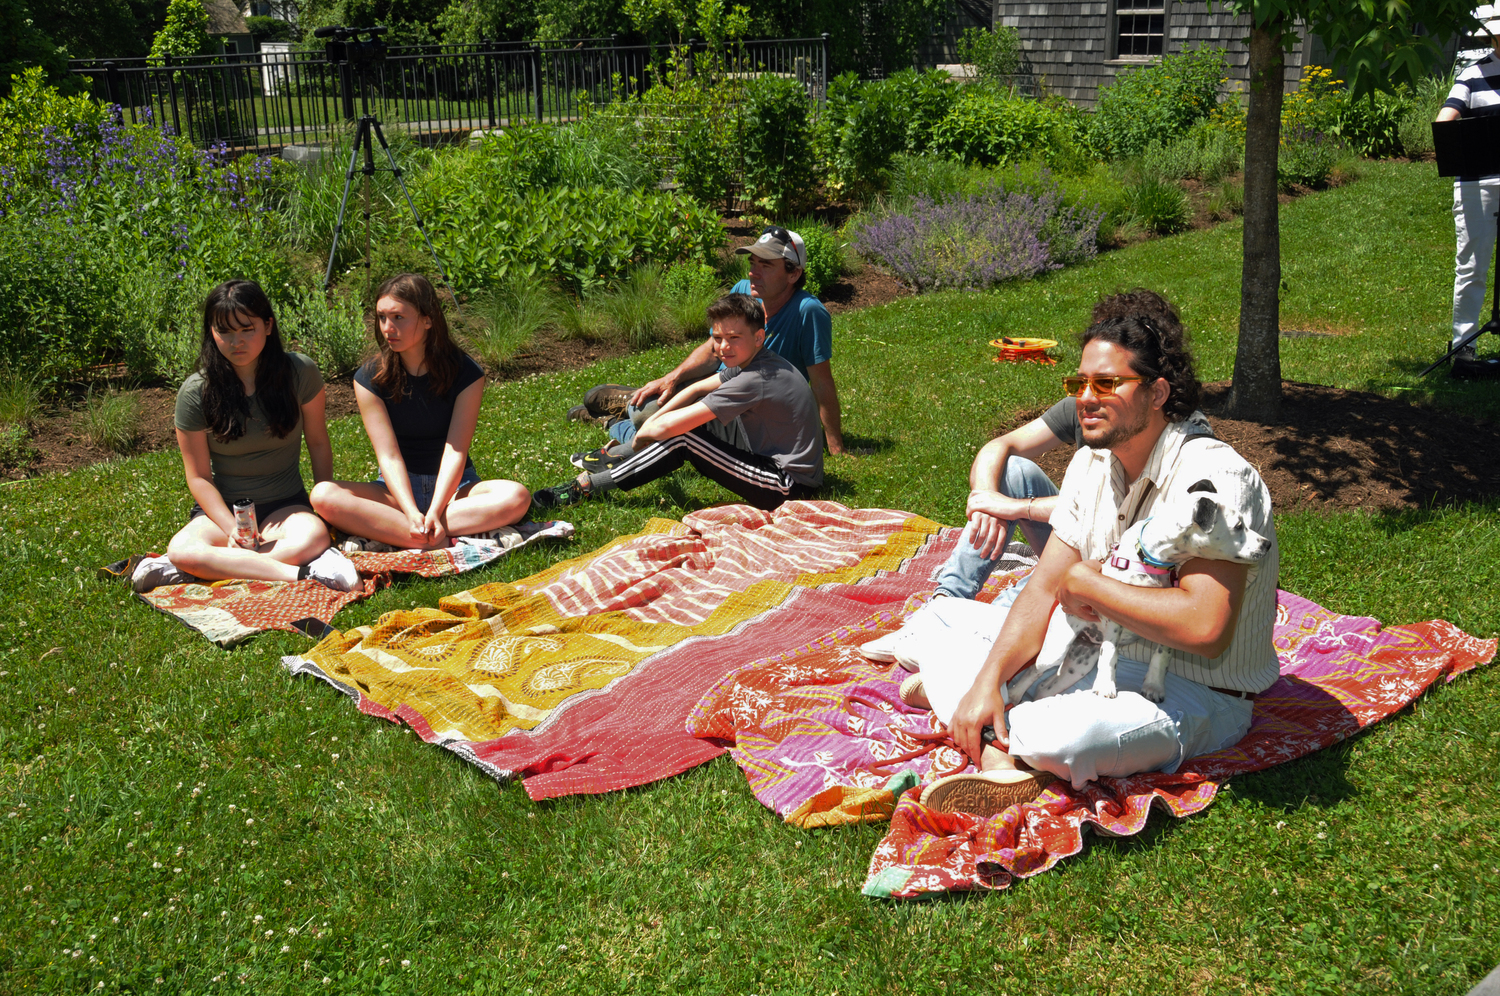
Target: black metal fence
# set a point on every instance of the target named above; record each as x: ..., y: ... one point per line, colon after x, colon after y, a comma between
x: 264, y: 101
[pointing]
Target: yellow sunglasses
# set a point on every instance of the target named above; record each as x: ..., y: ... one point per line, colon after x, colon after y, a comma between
x: 1103, y: 387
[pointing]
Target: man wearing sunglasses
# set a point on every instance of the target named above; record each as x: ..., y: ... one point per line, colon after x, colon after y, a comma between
x: 1136, y: 396
x: 1008, y: 489
x: 798, y: 329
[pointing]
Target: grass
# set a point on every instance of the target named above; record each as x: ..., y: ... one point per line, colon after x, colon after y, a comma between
x: 109, y: 420
x: 134, y: 743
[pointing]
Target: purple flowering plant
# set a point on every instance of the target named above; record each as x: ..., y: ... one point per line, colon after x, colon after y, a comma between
x: 978, y: 240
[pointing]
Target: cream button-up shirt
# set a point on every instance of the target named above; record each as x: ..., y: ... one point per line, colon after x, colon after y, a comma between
x: 1096, y: 506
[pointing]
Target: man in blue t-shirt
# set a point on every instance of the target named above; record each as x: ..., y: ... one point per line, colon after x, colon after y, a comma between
x: 798, y: 329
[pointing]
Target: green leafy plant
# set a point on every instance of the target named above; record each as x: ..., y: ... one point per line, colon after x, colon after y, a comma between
x: 503, y: 319
x: 20, y: 396
x: 1309, y: 159
x: 329, y: 329
x: 992, y: 128
x: 826, y: 261
x: 777, y: 143
x: 689, y: 288
x: 111, y: 419
x: 1156, y: 103
x: 1160, y: 205
x: 706, y: 165
x: 16, y: 448
x: 184, y: 33
x: 995, y: 54
x: 636, y: 307
x: 1205, y: 153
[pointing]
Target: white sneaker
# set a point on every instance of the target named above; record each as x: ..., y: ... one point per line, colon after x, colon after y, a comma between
x: 334, y: 569
x: 353, y: 544
x: 153, y: 572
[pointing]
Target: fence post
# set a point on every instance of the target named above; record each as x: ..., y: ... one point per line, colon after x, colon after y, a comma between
x: 172, y: 95
x: 536, y: 75
x: 111, y: 89
x: 823, y: 92
x: 489, y: 75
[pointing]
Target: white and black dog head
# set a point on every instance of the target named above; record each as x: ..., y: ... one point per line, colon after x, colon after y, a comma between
x: 1196, y: 524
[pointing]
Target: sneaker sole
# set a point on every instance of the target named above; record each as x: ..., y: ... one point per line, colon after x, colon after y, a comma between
x: 979, y: 796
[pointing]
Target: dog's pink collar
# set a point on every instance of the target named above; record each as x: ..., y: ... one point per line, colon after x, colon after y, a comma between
x: 1123, y: 563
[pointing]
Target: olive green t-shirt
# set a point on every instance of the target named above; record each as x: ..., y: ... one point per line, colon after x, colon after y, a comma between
x: 257, y: 466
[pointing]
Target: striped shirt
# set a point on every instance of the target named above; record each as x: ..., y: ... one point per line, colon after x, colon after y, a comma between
x: 1474, y: 95
x: 1097, y: 505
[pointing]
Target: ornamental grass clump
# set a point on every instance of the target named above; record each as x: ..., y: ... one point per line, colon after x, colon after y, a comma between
x: 978, y: 240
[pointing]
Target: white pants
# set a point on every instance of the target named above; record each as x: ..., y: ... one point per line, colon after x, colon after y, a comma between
x: 1074, y: 734
x: 1474, y: 205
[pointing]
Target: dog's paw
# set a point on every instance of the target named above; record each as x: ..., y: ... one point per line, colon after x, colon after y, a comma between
x: 1156, y: 693
x: 1105, y: 689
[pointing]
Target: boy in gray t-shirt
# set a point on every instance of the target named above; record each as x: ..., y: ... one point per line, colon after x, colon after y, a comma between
x: 783, y: 454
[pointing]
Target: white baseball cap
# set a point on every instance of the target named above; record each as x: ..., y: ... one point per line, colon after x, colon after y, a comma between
x: 778, y: 243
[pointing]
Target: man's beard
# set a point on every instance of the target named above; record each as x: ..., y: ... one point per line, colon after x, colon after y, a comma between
x: 1116, y: 433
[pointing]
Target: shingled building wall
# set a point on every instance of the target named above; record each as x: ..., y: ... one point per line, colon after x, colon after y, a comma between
x: 1068, y: 43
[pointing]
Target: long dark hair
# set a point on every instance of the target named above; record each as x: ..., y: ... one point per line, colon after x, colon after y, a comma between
x: 441, y: 354
x: 226, y: 409
x: 1158, y: 348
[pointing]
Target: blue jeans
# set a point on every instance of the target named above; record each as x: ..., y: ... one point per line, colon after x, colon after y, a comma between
x: 424, y: 486
x: 966, y: 571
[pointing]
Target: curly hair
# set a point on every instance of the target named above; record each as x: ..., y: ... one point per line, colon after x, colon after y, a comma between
x: 1137, y: 301
x: 226, y: 409
x: 1158, y: 348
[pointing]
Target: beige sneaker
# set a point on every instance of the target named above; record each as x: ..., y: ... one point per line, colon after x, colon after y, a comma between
x: 984, y: 793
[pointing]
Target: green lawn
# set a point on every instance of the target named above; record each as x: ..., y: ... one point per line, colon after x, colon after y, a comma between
x: 174, y: 811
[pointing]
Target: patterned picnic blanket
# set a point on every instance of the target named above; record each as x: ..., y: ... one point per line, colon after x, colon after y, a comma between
x: 579, y: 678
x: 227, y: 612
x: 823, y: 738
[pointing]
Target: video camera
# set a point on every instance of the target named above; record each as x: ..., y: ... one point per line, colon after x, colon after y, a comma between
x: 345, y: 46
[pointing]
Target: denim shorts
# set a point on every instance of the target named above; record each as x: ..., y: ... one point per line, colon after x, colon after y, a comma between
x: 263, y: 509
x: 424, y: 485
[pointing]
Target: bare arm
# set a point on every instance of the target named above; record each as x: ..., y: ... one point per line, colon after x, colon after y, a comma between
x: 1198, y: 617
x: 1017, y: 645
x: 665, y: 424
x: 388, y: 456
x: 699, y: 364
x: 696, y: 391
x: 990, y: 512
x: 826, y: 393
x: 198, y: 469
x: 455, y: 454
x: 1448, y: 114
x: 315, y: 432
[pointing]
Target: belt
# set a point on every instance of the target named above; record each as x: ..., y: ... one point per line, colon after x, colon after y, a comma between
x: 1233, y: 693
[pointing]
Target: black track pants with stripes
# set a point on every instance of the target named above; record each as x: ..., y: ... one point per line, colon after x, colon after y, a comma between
x: 753, y: 477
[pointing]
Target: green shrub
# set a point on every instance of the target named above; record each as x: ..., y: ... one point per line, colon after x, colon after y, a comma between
x: 689, y: 289
x: 825, y: 254
x: 873, y: 130
x: 1160, y: 205
x: 503, y: 319
x: 926, y: 99
x: 777, y: 143
x: 994, y: 54
x: 1226, y: 201
x: 1204, y: 153
x: 991, y: 128
x: 705, y: 164
x: 1308, y: 159
x: 332, y: 332
x: 636, y: 307
x: 16, y: 449
x: 1371, y: 126
x: 110, y: 420
x: 1158, y: 102
x: 20, y: 397
x: 1415, y: 130
x: 582, y: 237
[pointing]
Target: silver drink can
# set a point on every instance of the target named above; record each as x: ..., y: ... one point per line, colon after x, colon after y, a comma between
x: 245, y: 525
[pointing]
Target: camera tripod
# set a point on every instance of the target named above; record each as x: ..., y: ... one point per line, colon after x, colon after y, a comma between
x: 346, y: 51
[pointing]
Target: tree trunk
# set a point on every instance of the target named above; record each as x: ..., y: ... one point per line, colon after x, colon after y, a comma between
x: 1256, y: 394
